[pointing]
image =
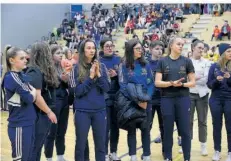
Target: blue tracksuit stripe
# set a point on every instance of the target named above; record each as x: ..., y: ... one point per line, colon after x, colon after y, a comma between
x: 15, y: 84
x: 18, y: 95
x: 71, y: 81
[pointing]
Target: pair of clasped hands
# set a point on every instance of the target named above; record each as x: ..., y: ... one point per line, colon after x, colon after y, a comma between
x: 94, y: 71
x: 226, y: 75
x: 177, y: 83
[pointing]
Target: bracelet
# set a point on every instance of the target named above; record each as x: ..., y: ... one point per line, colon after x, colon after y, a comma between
x: 182, y: 85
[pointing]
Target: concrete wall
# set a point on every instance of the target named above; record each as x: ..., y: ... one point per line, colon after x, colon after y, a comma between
x: 23, y: 24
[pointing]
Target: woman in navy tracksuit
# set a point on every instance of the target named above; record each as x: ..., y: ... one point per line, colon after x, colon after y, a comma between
x: 136, y: 70
x: 58, y: 131
x: 90, y: 81
x: 156, y: 50
x: 44, y: 79
x: 112, y: 62
x: 172, y: 73
x: 20, y: 97
x: 219, y: 81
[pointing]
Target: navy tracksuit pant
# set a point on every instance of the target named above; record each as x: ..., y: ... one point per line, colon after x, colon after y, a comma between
x: 145, y: 136
x: 57, y: 131
x: 86, y: 151
x: 218, y: 108
x: 112, y: 130
x: 22, y: 140
x: 42, y: 128
x: 156, y: 108
x: 83, y: 121
x: 173, y: 108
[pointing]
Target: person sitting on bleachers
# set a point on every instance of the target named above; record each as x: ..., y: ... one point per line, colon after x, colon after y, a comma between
x: 216, y: 32
x: 213, y: 55
x: 225, y: 30
x: 176, y: 26
x: 216, y: 10
x: 130, y: 26
x: 179, y: 15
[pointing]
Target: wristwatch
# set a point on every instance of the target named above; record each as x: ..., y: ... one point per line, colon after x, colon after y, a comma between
x: 182, y: 85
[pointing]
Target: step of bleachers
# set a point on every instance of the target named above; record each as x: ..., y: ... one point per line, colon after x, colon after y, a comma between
x: 197, y: 31
x: 203, y: 21
x: 201, y: 29
x: 199, y: 26
x: 197, y: 35
x: 206, y: 17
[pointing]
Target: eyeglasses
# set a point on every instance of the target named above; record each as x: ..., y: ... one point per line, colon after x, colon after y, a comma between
x: 138, y: 49
x: 109, y: 46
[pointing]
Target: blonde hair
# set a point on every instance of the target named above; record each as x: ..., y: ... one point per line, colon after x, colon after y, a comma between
x: 222, y: 62
x: 171, y: 41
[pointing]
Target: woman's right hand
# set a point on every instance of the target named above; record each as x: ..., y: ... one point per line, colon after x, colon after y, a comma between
x: 92, y: 71
x: 177, y: 83
x: 143, y: 105
x: 52, y: 117
x: 220, y: 78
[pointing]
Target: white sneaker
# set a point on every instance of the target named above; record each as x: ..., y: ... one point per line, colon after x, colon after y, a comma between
x: 216, y: 156
x: 133, y: 158
x: 107, y: 158
x: 180, y: 150
x: 229, y: 157
x: 114, y: 157
x: 146, y: 158
x: 60, y: 158
x: 204, y: 151
x: 49, y: 159
x: 167, y: 160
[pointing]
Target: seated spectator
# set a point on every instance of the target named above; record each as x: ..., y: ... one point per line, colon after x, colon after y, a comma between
x: 213, y: 55
x: 206, y: 49
x: 148, y: 21
x: 179, y: 15
x: 216, y: 32
x: 68, y: 37
x: 155, y: 37
x: 130, y: 26
x: 176, y: 27
x: 225, y: 31
x: 216, y: 9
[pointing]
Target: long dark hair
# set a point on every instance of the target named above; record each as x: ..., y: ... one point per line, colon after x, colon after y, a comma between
x: 83, y: 70
x: 129, y: 54
x: 58, y: 67
x: 41, y: 58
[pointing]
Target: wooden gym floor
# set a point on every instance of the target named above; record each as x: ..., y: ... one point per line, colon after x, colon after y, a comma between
x: 122, y: 147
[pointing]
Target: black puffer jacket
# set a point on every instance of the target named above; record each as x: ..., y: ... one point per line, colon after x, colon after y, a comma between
x: 129, y: 114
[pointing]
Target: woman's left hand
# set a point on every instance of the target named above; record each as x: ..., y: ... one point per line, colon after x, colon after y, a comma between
x: 98, y: 74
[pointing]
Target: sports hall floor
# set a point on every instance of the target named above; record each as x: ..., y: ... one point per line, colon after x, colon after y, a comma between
x: 122, y: 147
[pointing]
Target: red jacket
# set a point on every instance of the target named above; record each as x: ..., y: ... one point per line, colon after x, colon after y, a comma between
x: 131, y: 24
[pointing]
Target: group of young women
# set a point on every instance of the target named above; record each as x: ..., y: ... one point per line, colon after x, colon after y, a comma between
x: 39, y: 93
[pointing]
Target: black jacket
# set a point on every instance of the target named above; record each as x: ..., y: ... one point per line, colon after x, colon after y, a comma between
x: 129, y: 114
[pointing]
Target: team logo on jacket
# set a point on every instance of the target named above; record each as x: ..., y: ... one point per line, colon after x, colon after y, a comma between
x: 144, y: 71
x: 116, y: 67
x: 148, y: 80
